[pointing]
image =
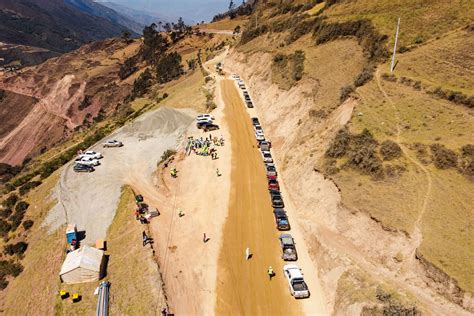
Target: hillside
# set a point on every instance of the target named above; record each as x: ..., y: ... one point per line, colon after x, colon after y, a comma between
x: 96, y: 9
x: 141, y: 17
x: 53, y: 25
x: 389, y: 157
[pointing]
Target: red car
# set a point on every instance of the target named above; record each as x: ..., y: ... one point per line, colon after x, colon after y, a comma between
x: 273, y: 185
x: 271, y: 177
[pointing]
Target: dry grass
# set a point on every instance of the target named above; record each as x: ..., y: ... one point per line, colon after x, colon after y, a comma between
x: 419, y: 18
x: 443, y: 63
x: 186, y: 92
x: 317, y: 7
x: 397, y: 203
x: 134, y: 277
x: 225, y: 24
x: 135, y: 281
x: 38, y: 284
x: 447, y: 227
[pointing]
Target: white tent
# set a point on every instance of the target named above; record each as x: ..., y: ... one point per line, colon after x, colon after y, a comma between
x: 82, y: 265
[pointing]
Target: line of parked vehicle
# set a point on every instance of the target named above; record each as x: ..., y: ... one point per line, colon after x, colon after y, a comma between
x: 88, y: 160
x: 297, y: 286
x: 241, y: 84
x: 206, y: 122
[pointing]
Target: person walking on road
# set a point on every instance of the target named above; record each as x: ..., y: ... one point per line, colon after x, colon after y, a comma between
x: 217, y: 172
x: 247, y: 253
x: 270, y: 272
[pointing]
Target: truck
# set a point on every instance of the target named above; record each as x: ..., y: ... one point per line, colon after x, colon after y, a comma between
x: 296, y: 283
x: 288, y: 248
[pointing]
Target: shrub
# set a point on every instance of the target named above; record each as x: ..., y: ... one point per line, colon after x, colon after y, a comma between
x: 128, y: 67
x: 167, y: 154
x: 169, y: 67
x: 467, y: 151
x: 365, y: 76
x: 443, y: 157
x: 390, y: 150
x: 28, y: 186
x: 15, y: 249
x: 10, y: 201
x: 5, y: 213
x: 21, y: 207
x: 466, y: 163
x: 366, y: 160
x: 339, y: 146
x: 141, y: 84
x: 28, y: 224
x: 372, y: 42
x: 345, y: 92
x: 5, y: 227
x: 298, y: 65
x: 10, y: 268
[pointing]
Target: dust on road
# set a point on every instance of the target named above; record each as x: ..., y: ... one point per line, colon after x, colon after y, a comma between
x: 243, y: 287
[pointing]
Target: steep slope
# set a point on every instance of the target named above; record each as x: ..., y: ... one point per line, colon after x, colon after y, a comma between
x: 376, y: 221
x: 99, y: 10
x: 70, y: 91
x: 141, y: 17
x: 51, y: 24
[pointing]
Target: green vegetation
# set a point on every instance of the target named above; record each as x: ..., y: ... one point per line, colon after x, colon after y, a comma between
x: 288, y: 69
x: 167, y: 154
x: 169, y: 67
x: 141, y: 85
x: 128, y: 67
x: 8, y: 268
x: 390, y: 150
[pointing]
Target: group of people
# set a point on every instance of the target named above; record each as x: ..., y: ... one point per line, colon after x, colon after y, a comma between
x: 204, y: 146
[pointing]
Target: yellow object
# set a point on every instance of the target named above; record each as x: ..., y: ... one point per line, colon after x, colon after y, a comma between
x: 63, y: 294
x: 75, y: 297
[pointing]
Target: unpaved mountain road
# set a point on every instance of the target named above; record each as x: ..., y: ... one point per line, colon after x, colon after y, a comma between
x: 89, y: 200
x: 244, y: 287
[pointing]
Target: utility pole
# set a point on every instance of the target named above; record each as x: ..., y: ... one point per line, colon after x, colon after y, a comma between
x: 395, y: 47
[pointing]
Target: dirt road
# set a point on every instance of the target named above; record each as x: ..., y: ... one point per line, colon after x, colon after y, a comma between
x: 243, y: 286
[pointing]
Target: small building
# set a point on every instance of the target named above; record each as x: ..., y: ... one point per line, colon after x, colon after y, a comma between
x: 82, y: 265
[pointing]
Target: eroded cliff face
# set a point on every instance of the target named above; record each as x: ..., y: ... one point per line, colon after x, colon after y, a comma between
x: 53, y: 99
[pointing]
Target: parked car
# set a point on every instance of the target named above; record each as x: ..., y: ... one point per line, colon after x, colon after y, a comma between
x: 255, y: 121
x: 249, y: 104
x: 265, y: 145
x: 271, y: 170
x: 83, y: 168
x: 277, y: 201
x: 236, y: 76
x: 258, y: 128
x: 112, y: 143
x: 210, y: 127
x: 267, y: 156
x: 274, y: 193
x: 281, y: 219
x: 91, y: 154
x: 273, y: 184
x: 288, y: 248
x: 296, y: 283
x: 87, y: 161
x: 202, y: 124
x: 204, y: 120
x: 259, y: 136
x: 205, y: 117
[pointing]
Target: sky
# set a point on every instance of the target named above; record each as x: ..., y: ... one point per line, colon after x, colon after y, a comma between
x: 192, y: 11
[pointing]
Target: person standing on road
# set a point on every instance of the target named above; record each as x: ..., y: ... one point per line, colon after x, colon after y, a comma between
x: 145, y: 238
x: 247, y: 253
x: 270, y: 272
x: 204, y: 237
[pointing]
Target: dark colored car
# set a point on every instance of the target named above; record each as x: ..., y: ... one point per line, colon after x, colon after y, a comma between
x: 277, y: 201
x: 271, y: 170
x: 83, y: 168
x: 273, y: 184
x: 249, y: 104
x: 281, y: 219
x: 255, y: 121
x: 210, y: 127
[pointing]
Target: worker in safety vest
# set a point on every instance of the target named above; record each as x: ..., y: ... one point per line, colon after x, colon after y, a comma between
x: 270, y: 272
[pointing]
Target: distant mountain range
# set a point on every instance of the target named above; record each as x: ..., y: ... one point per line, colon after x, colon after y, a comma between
x: 141, y: 17
x: 57, y: 25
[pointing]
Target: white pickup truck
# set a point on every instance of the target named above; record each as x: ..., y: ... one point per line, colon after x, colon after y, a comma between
x: 297, y: 285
